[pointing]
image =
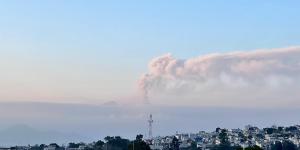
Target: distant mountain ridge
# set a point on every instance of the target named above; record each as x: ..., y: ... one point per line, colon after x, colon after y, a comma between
x: 25, y: 123
x: 21, y: 134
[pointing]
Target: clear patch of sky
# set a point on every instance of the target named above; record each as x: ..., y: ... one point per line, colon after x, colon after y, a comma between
x: 152, y: 27
x: 125, y: 35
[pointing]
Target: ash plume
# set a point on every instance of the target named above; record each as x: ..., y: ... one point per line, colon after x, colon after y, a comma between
x: 225, y: 73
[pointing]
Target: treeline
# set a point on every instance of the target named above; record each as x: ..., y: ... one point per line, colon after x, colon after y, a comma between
x: 119, y: 143
x: 109, y: 143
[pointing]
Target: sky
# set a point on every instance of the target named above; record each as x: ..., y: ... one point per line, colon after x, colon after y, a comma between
x: 37, y: 123
x: 96, y: 51
x: 192, y: 61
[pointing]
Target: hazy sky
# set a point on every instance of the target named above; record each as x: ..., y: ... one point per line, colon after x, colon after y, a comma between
x: 207, y: 59
x: 96, y: 51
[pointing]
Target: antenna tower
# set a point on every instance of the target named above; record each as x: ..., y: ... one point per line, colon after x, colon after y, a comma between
x: 150, y: 122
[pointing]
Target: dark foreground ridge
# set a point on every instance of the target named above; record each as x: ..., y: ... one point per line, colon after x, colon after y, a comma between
x: 249, y: 138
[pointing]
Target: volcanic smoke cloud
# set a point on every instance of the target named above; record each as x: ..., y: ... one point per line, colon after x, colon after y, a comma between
x: 271, y: 75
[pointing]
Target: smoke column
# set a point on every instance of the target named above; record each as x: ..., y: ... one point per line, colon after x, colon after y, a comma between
x: 269, y: 68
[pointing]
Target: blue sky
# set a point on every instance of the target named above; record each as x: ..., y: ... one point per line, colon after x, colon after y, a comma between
x: 106, y: 45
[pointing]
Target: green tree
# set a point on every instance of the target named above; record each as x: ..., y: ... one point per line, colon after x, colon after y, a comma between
x: 138, y: 144
x: 174, y: 144
x: 35, y: 147
x: 255, y: 147
x: 224, y: 142
x: 269, y: 130
x: 116, y: 143
x: 54, y: 144
x: 277, y: 146
x: 218, y: 129
x: 98, y: 145
x: 193, y: 145
x: 288, y: 145
x: 42, y: 146
x: 73, y: 145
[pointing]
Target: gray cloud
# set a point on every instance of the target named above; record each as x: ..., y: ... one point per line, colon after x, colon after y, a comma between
x: 232, y: 78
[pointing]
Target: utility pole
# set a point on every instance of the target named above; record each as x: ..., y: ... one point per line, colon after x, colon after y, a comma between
x: 150, y: 121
